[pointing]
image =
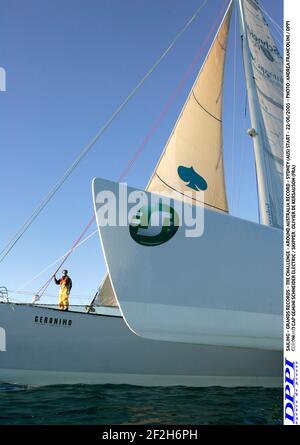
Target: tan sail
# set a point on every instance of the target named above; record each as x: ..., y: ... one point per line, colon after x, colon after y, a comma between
x: 196, y: 142
x: 106, y: 295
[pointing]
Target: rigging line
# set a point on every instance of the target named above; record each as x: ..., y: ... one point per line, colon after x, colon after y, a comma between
x: 146, y: 139
x: 24, y: 285
x: 28, y: 292
x: 43, y: 288
x: 277, y: 41
x: 170, y: 100
x: 276, y: 26
x: 234, y: 110
x: 13, y: 241
x: 98, y: 290
x: 275, y: 30
x: 150, y: 133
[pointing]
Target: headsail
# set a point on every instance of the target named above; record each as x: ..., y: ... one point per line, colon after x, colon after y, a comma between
x: 264, y: 76
x: 193, y: 155
x: 195, y: 147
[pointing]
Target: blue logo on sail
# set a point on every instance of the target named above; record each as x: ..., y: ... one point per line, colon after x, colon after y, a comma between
x: 267, y: 53
x: 194, y: 180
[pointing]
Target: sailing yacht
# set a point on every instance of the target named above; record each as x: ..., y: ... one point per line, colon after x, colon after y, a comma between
x: 193, y: 311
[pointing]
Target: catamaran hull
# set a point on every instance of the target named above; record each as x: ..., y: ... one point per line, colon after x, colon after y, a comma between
x: 46, y: 346
x: 223, y: 288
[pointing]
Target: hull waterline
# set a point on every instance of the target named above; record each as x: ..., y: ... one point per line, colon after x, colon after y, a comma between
x: 100, y: 349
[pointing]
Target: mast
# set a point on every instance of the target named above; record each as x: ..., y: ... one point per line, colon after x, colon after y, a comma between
x: 256, y: 131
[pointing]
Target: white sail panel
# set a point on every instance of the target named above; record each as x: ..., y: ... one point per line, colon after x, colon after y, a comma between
x: 193, y: 156
x: 196, y: 142
x: 267, y: 73
x: 106, y: 294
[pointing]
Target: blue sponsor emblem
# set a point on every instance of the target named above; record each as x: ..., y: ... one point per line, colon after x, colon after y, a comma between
x: 267, y: 53
x: 193, y: 179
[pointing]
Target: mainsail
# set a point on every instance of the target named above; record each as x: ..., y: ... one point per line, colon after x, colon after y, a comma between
x: 193, y: 156
x: 264, y: 76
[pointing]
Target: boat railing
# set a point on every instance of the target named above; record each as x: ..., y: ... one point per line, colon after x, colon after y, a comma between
x: 4, y: 294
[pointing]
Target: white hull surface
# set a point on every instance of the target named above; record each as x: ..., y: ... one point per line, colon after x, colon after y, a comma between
x: 223, y: 288
x: 100, y: 349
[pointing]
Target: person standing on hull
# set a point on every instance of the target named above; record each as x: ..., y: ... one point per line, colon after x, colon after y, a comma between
x: 65, y: 283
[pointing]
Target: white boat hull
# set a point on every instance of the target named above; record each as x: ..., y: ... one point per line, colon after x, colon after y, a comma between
x: 223, y: 288
x: 100, y: 349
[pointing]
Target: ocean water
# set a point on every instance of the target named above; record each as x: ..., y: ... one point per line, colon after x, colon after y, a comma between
x: 126, y: 405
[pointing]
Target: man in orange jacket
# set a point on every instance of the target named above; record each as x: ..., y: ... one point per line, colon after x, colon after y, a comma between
x: 65, y: 283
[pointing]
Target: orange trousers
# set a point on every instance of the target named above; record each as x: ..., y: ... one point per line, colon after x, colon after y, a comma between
x: 64, y: 298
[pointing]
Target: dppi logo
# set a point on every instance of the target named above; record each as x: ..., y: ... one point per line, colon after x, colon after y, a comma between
x: 154, y: 225
x: 194, y: 180
x: 290, y: 392
x: 2, y: 340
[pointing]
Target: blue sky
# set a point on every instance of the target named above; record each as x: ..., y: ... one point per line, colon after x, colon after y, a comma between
x: 69, y: 64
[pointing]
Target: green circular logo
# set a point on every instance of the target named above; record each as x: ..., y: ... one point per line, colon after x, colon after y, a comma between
x: 154, y: 225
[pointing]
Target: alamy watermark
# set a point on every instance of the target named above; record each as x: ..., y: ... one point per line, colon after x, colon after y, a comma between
x: 154, y: 211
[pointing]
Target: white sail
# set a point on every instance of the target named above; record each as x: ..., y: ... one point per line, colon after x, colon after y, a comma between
x: 193, y: 156
x: 264, y: 75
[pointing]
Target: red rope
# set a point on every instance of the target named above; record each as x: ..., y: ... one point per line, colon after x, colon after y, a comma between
x: 46, y: 285
x: 147, y: 138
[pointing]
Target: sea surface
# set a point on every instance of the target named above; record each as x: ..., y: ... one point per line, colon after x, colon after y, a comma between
x: 125, y: 405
